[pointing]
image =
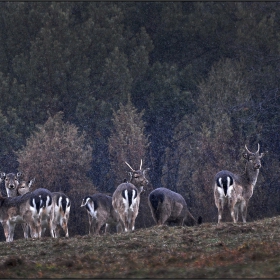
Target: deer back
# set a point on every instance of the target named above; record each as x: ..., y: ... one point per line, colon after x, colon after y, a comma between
x: 168, y: 206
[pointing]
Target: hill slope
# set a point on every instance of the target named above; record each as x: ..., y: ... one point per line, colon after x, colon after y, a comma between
x: 205, y: 251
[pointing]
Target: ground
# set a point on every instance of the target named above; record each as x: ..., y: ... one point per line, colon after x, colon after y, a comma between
x: 229, y: 250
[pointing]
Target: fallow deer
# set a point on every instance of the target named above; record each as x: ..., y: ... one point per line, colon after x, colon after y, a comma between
x: 24, y: 187
x: 60, y: 213
x: 11, y: 183
x: 21, y: 209
x: 169, y: 207
x: 126, y: 198
x: 236, y: 190
x: 101, y: 212
x: 44, y: 209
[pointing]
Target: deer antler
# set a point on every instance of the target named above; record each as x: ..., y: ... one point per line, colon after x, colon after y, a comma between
x: 247, y: 150
x: 129, y: 166
x: 258, y: 148
x: 140, y: 165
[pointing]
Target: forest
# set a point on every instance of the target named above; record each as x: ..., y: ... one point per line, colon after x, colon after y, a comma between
x: 184, y: 86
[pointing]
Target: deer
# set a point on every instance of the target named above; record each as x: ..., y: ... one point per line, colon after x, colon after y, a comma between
x: 11, y: 182
x: 101, y: 212
x: 169, y: 207
x: 21, y: 209
x: 59, y: 214
x: 236, y: 190
x: 14, y: 187
x: 44, y: 209
x: 126, y: 197
x: 24, y: 187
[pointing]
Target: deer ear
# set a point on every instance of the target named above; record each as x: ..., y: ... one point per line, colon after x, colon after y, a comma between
x: 130, y: 176
x: 261, y: 155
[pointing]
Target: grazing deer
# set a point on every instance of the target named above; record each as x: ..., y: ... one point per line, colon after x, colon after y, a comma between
x: 21, y: 209
x: 11, y: 183
x: 60, y: 210
x: 170, y: 207
x: 236, y: 190
x: 44, y: 209
x: 101, y: 212
x: 60, y: 213
x: 126, y: 198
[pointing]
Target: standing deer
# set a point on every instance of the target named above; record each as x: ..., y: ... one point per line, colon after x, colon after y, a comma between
x: 236, y: 190
x: 170, y: 207
x: 101, y: 212
x: 21, y: 209
x: 60, y: 213
x: 126, y: 198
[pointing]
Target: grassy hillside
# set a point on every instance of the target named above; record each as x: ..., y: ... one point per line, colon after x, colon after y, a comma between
x: 205, y: 251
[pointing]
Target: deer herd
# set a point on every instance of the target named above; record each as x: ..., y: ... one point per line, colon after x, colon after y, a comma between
x: 41, y: 209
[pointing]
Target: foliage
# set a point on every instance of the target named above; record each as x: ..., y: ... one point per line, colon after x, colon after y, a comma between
x: 57, y: 156
x: 127, y: 142
x: 204, y: 74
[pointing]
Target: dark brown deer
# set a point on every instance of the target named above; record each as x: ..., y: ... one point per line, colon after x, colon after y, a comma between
x: 126, y: 198
x: 101, y: 212
x: 169, y: 207
x: 236, y: 190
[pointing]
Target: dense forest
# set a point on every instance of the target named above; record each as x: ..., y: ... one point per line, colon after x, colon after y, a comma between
x: 184, y: 86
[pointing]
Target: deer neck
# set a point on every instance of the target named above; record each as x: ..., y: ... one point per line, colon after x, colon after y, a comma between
x: 249, y: 178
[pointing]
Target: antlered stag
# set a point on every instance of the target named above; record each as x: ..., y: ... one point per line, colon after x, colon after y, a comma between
x: 126, y: 198
x: 236, y: 190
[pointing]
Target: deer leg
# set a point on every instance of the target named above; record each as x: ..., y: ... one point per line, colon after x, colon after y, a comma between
x: 120, y: 227
x: 25, y: 228
x: 232, y: 204
x: 244, y: 207
x: 220, y: 210
x: 65, y: 227
x: 11, y: 231
x: 236, y: 210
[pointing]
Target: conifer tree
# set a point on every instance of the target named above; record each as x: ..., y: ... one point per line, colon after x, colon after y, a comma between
x: 57, y: 156
x: 127, y: 141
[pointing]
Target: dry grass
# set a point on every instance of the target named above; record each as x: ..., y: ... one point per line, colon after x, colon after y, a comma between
x: 205, y: 251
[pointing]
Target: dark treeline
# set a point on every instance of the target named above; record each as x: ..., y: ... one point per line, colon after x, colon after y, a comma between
x: 203, y: 76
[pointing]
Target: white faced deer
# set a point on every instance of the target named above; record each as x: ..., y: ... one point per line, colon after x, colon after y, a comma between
x: 101, y: 212
x: 11, y: 183
x: 126, y: 198
x: 236, y: 190
x: 170, y: 207
x: 60, y: 213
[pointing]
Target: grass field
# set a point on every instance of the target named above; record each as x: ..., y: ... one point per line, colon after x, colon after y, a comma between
x: 206, y: 251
